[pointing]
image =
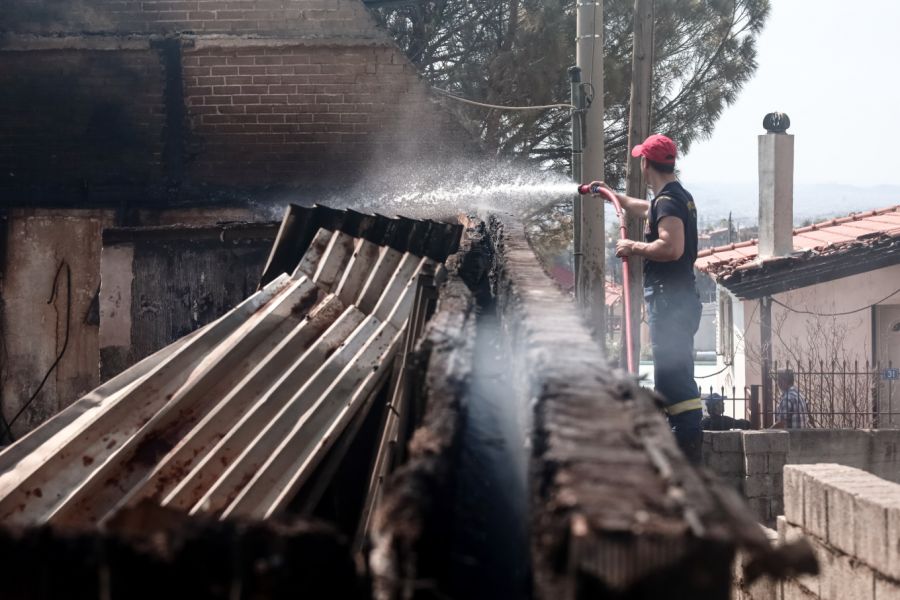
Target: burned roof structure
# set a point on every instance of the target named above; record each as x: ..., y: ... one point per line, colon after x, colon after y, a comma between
x: 825, y: 251
x: 338, y: 392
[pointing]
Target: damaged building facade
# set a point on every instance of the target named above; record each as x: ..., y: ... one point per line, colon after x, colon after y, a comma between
x: 123, y: 115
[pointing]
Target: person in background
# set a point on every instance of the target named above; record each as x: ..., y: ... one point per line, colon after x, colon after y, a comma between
x: 717, y: 419
x: 791, y: 411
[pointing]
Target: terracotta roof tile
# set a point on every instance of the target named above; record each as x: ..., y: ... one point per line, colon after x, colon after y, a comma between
x: 820, y: 236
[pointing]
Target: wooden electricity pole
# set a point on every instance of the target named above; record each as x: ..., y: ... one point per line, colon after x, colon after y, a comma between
x: 638, y: 130
x: 590, y: 247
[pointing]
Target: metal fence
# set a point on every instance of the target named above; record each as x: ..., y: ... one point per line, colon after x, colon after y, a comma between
x: 834, y: 396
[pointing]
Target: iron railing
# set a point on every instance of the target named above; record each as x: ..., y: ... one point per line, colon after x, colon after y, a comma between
x: 836, y: 395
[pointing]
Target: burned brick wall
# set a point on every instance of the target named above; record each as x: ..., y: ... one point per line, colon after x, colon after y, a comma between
x: 73, y: 123
x: 150, y: 110
x: 180, y: 101
x: 295, y: 112
x: 308, y: 17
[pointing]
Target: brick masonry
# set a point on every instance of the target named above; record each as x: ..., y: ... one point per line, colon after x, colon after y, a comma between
x: 305, y: 112
x: 305, y: 17
x: 241, y: 96
x: 136, y: 107
x: 68, y: 119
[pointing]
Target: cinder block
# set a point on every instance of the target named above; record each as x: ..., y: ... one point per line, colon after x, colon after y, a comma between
x: 776, y: 506
x: 791, y: 590
x: 759, y: 508
x: 761, y: 442
x: 758, y: 486
x: 893, y: 536
x: 730, y: 464
x: 793, y: 495
x: 756, y: 463
x: 777, y: 460
x: 788, y: 533
x: 777, y: 484
x: 841, y: 519
x: 874, y: 541
x: 815, y: 507
x: 886, y: 590
x: 843, y: 578
x: 726, y: 441
x: 763, y: 588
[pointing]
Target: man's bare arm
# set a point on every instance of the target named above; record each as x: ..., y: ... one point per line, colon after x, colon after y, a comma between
x: 635, y: 207
x: 669, y: 247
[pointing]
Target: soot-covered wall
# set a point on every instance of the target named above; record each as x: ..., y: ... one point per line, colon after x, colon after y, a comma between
x: 132, y: 102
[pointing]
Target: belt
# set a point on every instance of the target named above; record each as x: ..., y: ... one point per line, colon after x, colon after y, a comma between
x: 684, y: 406
x: 660, y: 288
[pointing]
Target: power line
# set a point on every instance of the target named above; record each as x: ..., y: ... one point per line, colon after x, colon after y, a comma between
x: 838, y: 314
x: 498, y: 107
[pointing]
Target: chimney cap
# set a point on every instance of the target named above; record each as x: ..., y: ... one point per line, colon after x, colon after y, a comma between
x: 776, y: 122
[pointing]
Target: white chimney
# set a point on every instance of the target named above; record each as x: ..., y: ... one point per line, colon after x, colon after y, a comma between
x: 776, y: 187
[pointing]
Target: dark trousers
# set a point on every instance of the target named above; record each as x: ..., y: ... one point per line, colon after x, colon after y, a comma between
x: 674, y: 316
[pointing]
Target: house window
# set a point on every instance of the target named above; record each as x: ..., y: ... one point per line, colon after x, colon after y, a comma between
x: 725, y: 325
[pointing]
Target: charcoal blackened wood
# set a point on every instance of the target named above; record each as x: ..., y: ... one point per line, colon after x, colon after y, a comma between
x: 617, y: 512
x: 152, y: 553
x: 411, y: 532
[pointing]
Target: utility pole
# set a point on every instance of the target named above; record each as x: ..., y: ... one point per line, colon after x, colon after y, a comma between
x: 577, y: 94
x: 590, y: 249
x: 638, y: 130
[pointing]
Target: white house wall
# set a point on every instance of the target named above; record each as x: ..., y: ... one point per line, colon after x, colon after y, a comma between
x: 796, y: 331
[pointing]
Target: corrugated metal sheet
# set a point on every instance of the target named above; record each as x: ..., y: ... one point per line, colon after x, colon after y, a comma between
x: 843, y: 232
x: 233, y: 419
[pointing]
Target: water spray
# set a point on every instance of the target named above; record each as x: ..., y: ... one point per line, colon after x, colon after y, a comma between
x: 597, y: 189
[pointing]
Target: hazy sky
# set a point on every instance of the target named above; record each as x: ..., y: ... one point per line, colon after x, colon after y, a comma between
x: 834, y: 68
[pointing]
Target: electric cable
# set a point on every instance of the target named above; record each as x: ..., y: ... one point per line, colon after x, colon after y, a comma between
x: 499, y: 107
x: 65, y: 340
x: 838, y: 314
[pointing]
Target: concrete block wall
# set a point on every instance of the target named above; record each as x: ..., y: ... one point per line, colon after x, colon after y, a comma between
x: 752, y: 462
x: 852, y: 520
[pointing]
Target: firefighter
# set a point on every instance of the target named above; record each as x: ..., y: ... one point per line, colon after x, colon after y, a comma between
x: 673, y: 305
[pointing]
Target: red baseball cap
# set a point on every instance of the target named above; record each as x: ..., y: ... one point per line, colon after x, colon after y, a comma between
x: 657, y: 148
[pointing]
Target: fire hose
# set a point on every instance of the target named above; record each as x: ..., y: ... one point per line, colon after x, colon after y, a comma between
x: 626, y: 291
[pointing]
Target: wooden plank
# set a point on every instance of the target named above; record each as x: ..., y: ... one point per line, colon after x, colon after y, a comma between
x: 89, y: 499
x: 241, y: 436
x: 235, y: 404
x: 22, y: 487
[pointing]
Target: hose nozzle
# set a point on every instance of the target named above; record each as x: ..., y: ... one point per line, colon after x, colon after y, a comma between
x: 587, y: 188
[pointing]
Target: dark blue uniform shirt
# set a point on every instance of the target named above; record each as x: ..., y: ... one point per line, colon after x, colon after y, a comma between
x: 672, y: 201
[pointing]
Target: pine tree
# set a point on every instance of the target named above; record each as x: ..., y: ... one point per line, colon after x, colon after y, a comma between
x: 516, y: 52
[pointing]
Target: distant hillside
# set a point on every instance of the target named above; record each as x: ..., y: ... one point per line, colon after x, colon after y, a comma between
x: 811, y: 202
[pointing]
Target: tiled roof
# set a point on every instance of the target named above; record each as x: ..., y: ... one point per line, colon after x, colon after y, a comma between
x: 829, y: 236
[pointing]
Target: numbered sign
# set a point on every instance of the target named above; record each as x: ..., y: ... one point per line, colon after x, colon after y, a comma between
x: 891, y: 374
